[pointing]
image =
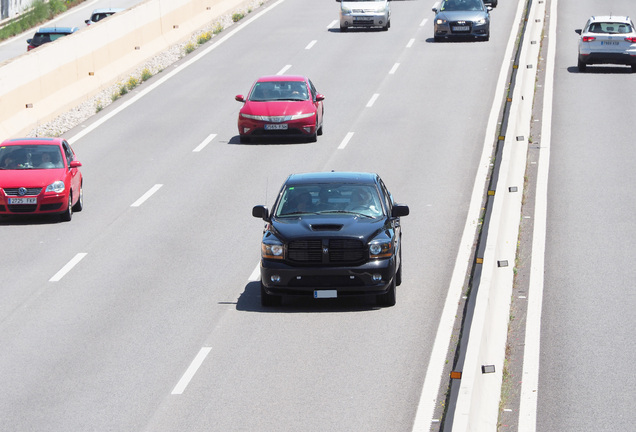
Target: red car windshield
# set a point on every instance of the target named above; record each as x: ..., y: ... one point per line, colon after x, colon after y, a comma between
x: 265, y: 91
x: 20, y: 157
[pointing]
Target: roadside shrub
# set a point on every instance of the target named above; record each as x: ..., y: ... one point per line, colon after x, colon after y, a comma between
x: 190, y: 47
x: 204, y: 37
x: 218, y: 29
x: 57, y: 7
x: 237, y: 16
x: 132, y: 83
x: 146, y: 74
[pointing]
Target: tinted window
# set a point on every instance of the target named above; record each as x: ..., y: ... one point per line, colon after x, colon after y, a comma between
x: 279, y: 90
x: 30, y: 157
x: 609, y: 27
x: 329, y: 198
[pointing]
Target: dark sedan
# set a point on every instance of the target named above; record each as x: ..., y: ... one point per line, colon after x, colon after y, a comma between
x: 329, y: 235
x: 466, y: 19
x: 48, y: 34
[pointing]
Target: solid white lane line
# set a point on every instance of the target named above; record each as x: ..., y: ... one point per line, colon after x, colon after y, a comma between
x: 256, y: 274
x: 283, y: 70
x: 333, y: 23
x: 372, y: 100
x: 205, y: 142
x: 67, y: 268
x: 311, y: 44
x: 147, y: 195
x: 345, y: 141
x: 164, y: 78
x: 192, y: 369
x: 528, y: 397
x: 394, y: 68
x: 410, y: 44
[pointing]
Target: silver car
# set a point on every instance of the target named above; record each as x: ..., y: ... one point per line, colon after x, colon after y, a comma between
x: 364, y: 13
x: 461, y: 19
x: 607, y: 40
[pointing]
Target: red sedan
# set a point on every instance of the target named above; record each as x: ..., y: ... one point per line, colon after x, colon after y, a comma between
x: 39, y: 176
x: 281, y: 106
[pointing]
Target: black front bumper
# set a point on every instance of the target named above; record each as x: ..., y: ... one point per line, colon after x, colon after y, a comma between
x: 347, y: 281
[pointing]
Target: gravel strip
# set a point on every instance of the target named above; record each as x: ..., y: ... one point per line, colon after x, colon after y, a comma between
x: 90, y: 107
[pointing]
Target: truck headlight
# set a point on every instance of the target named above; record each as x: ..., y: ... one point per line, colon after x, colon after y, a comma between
x: 272, y: 248
x: 380, y: 249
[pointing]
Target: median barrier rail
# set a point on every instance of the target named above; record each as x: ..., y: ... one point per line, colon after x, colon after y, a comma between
x: 45, y: 82
x: 478, y: 398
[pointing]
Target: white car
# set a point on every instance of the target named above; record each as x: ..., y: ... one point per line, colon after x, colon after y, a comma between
x: 364, y: 13
x: 607, y: 40
x: 100, y: 14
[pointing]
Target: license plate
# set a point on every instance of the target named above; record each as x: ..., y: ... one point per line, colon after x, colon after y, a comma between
x: 461, y: 28
x: 609, y: 42
x: 325, y: 294
x: 23, y: 200
x: 277, y: 126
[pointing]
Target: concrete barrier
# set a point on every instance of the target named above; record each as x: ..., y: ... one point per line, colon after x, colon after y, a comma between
x: 478, y: 400
x: 43, y: 83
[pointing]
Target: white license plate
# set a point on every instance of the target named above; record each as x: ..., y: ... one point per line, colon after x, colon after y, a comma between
x: 23, y: 200
x: 461, y: 28
x: 277, y: 126
x: 325, y: 294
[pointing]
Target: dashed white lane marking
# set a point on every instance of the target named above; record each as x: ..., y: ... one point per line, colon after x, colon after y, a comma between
x: 372, y: 100
x: 394, y: 68
x: 332, y: 24
x: 205, y: 142
x: 311, y: 44
x: 147, y: 195
x: 192, y: 369
x: 283, y: 70
x: 410, y: 44
x: 424, y: 21
x: 67, y: 268
x: 345, y: 141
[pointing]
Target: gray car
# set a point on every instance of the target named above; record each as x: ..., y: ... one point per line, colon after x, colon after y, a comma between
x: 462, y: 19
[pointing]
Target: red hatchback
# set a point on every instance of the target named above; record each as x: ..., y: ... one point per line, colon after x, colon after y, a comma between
x: 281, y: 106
x: 39, y: 176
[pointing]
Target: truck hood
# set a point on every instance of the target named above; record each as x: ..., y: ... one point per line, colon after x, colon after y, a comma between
x: 321, y: 226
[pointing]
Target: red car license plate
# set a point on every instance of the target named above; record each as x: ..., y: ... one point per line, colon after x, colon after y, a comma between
x: 277, y: 126
x: 23, y: 200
